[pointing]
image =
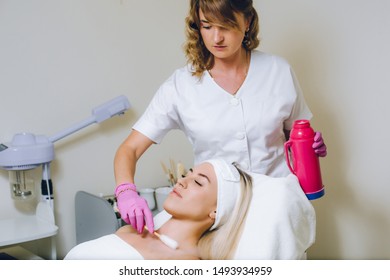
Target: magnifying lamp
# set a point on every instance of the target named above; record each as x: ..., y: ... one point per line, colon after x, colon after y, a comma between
x: 28, y: 151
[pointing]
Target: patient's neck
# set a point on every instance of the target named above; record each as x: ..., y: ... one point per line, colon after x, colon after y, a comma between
x: 187, y: 233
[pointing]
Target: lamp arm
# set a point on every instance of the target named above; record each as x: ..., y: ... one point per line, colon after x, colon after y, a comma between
x: 72, y: 129
x: 116, y: 106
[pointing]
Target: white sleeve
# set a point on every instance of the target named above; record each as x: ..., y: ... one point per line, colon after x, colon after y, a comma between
x: 161, y: 115
x: 300, y: 109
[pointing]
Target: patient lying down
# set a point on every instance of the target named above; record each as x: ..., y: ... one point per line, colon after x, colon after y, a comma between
x: 208, y: 209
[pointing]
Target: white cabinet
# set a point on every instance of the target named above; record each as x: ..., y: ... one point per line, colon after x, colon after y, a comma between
x: 28, y: 228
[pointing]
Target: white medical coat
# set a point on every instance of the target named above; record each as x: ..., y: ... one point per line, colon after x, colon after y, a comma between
x: 246, y: 128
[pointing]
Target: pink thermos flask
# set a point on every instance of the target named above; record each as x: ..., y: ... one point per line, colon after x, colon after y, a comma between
x: 305, y: 163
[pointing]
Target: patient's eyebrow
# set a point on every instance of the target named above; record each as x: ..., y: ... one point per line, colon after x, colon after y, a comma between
x: 203, y: 175
x: 200, y: 174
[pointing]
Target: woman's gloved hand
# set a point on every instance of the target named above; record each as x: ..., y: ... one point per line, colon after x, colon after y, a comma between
x: 319, y: 145
x: 133, y: 208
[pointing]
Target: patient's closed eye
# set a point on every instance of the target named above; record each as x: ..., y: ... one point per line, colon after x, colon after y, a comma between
x: 199, y: 184
x: 196, y: 180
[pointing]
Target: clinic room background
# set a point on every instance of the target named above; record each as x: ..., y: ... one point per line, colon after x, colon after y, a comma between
x: 59, y: 59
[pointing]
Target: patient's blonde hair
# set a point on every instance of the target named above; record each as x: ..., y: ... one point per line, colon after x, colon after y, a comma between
x: 221, y: 243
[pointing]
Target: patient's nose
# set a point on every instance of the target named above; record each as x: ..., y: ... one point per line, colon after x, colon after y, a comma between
x: 182, y: 182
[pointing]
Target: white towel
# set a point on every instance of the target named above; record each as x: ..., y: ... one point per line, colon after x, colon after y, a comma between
x: 281, y: 221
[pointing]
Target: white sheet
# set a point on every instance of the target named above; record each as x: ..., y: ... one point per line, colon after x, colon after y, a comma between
x: 281, y: 221
x: 107, y: 247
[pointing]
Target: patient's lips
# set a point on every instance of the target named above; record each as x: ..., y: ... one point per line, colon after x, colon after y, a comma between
x: 175, y: 192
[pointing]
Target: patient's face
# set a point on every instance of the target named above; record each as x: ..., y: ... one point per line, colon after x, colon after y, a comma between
x: 195, y: 195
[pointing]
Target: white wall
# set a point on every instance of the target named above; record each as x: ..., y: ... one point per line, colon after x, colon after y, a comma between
x: 59, y: 59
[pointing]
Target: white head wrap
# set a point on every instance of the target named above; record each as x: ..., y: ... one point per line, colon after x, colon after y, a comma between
x: 228, y: 180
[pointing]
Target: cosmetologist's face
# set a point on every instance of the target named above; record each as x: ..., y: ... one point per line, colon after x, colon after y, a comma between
x: 221, y: 41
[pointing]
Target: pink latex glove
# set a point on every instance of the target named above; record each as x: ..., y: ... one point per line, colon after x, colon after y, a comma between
x: 133, y: 208
x: 319, y: 145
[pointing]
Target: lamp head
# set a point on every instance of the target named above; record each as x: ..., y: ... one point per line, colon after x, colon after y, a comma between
x: 26, y: 152
x: 116, y: 106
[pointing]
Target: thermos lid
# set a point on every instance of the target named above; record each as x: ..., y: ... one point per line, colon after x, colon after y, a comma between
x: 301, y: 130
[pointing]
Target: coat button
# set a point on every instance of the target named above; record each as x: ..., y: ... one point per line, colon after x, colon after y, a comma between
x: 240, y: 136
x: 234, y: 101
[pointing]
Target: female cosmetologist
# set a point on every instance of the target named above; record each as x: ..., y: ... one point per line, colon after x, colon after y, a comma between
x: 231, y: 101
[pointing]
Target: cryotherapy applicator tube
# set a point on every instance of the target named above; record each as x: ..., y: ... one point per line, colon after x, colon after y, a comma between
x: 166, y: 240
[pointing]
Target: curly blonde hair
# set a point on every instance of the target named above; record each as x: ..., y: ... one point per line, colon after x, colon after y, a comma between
x: 222, y: 12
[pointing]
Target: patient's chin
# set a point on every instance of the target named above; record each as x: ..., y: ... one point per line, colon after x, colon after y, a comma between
x: 168, y: 204
x: 171, y: 206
